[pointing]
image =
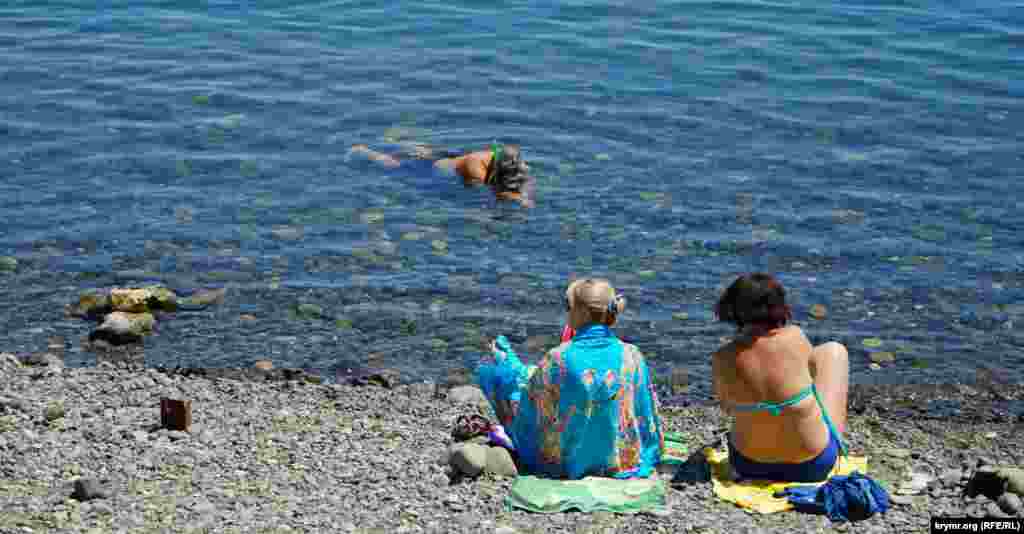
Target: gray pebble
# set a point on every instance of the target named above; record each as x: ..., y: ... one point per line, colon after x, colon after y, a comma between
x: 467, y: 395
x: 993, y: 510
x: 87, y: 489
x: 902, y: 500
x: 1010, y: 503
x: 951, y: 478
x: 177, y: 435
x: 469, y: 458
x: 499, y: 462
x: 13, y: 404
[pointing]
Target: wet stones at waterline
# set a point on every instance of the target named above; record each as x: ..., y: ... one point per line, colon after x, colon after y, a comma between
x: 128, y: 315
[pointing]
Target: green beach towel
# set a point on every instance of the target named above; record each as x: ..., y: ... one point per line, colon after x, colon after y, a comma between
x: 596, y: 494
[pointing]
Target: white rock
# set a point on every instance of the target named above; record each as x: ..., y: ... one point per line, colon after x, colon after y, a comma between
x: 467, y: 395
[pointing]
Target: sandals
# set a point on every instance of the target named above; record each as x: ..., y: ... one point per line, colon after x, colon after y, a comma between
x: 470, y: 426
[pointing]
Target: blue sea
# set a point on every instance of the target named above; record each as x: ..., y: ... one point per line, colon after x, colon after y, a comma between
x: 852, y: 148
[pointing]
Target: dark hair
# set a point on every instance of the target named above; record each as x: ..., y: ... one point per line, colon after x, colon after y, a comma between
x: 754, y: 299
x: 508, y: 173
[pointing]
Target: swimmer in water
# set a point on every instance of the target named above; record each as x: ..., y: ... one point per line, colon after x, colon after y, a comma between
x: 500, y: 167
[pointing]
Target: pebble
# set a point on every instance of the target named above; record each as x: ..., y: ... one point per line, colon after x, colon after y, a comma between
x: 1014, y: 478
x: 467, y: 395
x: 54, y: 411
x: 918, y: 483
x: 902, y: 500
x: 951, y: 478
x: 883, y: 357
x: 993, y: 510
x: 898, y: 453
x: 469, y: 458
x: 43, y: 359
x: 87, y: 489
x: 500, y: 463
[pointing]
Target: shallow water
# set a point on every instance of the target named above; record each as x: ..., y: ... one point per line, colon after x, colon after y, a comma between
x: 850, y: 147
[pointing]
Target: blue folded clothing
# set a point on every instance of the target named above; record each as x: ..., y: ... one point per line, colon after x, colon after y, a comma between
x: 843, y: 498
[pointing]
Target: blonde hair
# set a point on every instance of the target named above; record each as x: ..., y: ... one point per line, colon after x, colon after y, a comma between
x: 594, y: 300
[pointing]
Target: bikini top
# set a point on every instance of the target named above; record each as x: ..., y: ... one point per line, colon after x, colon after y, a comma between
x: 775, y: 408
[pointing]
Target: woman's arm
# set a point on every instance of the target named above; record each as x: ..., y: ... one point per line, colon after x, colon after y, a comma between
x: 373, y: 155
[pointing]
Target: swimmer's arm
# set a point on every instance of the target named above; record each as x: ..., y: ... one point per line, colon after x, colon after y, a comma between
x: 373, y: 155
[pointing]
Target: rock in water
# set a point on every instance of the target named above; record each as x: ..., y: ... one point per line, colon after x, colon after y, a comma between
x: 143, y: 300
x: 883, y: 357
x: 90, y: 305
x: 8, y: 264
x: 120, y: 328
x: 203, y: 299
x: 469, y: 458
x: 43, y: 359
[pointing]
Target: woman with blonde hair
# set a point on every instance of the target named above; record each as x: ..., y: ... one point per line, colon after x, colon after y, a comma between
x: 588, y: 407
x: 788, y: 396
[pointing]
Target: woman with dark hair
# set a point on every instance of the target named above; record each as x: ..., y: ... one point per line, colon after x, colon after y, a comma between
x: 787, y: 396
x: 499, y: 166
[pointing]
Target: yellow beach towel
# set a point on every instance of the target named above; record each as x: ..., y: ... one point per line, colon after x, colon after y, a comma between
x: 756, y: 495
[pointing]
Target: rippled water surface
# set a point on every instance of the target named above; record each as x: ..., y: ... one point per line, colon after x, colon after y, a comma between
x: 852, y: 147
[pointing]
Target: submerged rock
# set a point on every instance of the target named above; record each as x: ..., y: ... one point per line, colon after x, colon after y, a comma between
x: 90, y: 305
x: 120, y: 328
x: 8, y: 264
x: 142, y: 300
x: 203, y: 299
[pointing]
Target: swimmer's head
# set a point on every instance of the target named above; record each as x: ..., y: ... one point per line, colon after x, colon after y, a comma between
x: 507, y: 173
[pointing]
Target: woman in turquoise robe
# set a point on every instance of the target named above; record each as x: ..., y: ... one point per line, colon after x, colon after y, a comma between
x: 588, y: 407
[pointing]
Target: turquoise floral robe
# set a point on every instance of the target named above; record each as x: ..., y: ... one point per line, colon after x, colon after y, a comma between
x: 587, y: 408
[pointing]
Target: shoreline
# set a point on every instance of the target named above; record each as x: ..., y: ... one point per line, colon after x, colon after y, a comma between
x: 336, y: 458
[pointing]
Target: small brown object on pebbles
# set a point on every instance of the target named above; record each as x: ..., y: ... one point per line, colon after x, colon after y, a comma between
x: 818, y: 311
x: 264, y: 365
x: 176, y: 414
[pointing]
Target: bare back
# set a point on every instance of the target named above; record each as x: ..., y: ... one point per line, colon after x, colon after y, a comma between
x: 771, y: 368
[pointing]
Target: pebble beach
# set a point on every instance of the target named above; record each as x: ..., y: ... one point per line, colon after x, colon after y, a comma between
x: 83, y: 451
